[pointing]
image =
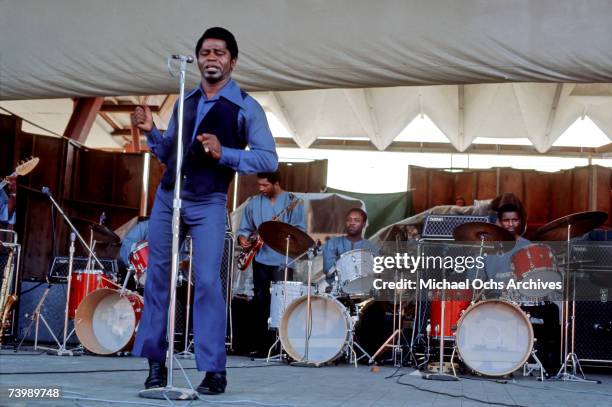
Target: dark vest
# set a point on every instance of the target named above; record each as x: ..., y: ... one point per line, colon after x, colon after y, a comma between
x: 201, y: 173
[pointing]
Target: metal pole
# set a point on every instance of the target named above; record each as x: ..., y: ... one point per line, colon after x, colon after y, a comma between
x: 171, y: 392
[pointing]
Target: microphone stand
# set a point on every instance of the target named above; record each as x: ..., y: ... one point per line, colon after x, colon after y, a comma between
x: 170, y: 392
x: 46, y: 191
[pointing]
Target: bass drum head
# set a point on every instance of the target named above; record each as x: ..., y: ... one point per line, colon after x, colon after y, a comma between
x: 330, y: 329
x: 494, y: 337
x: 106, y: 321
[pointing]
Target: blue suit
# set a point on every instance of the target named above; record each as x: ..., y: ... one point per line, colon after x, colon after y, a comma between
x: 237, y: 120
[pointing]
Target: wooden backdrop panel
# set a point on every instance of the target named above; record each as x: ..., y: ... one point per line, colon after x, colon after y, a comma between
x: 581, y: 188
x: 511, y: 180
x: 465, y: 186
x: 486, y: 184
x: 419, y: 185
x: 537, y: 196
x: 441, y: 191
x: 296, y: 177
x: 603, y: 184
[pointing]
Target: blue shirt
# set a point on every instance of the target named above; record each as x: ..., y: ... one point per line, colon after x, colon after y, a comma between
x: 341, y: 244
x: 261, y: 155
x: 4, y: 209
x: 135, y: 235
x: 259, y: 210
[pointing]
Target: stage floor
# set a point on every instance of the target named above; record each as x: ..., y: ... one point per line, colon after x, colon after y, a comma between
x: 96, y: 381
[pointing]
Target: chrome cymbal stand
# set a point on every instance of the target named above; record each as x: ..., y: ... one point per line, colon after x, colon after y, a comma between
x: 570, y: 357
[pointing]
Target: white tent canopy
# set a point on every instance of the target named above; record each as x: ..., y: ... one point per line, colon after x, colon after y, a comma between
x: 336, y: 68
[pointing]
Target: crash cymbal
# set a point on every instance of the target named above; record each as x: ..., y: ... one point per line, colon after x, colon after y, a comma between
x: 100, y: 230
x: 275, y: 235
x: 475, y: 231
x: 581, y: 223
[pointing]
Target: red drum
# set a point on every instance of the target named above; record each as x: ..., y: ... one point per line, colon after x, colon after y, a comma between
x: 456, y: 301
x: 534, y: 262
x: 106, y: 321
x: 139, y: 259
x: 82, y: 283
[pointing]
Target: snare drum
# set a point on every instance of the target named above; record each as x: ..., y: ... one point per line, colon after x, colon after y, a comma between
x: 494, y: 337
x: 535, y: 262
x: 106, y: 321
x: 82, y: 283
x: 331, y: 325
x: 294, y: 289
x: 355, y: 270
x: 139, y: 260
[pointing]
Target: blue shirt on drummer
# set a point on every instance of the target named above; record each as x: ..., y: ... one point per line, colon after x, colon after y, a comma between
x: 251, y: 120
x: 338, y: 245
x: 4, y: 218
x: 259, y: 210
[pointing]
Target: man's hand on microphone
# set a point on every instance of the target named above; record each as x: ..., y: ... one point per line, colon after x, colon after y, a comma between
x: 211, y: 145
x: 142, y: 118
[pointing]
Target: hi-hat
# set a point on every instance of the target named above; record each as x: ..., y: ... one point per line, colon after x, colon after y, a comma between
x: 101, y: 230
x: 581, y: 223
x: 275, y: 235
x: 477, y: 231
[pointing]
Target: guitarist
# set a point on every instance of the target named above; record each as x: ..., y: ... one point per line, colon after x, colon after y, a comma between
x: 8, y: 203
x: 268, y: 265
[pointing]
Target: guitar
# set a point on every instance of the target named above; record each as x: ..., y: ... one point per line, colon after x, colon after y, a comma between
x: 24, y: 168
x: 247, y: 255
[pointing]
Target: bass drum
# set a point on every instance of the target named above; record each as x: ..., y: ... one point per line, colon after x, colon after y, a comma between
x: 331, y: 325
x: 106, y: 321
x: 494, y: 337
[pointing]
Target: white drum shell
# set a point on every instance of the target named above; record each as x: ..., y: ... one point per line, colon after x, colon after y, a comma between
x: 494, y: 337
x: 294, y: 289
x: 355, y: 270
x: 330, y: 328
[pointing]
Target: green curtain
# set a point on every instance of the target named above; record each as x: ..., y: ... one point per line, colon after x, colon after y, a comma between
x: 383, y: 209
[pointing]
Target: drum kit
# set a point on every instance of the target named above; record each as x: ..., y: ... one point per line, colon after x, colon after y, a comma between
x: 495, y: 337
x: 315, y: 327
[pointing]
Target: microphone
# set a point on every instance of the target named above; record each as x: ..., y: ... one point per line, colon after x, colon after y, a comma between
x: 72, y: 237
x: 102, y: 218
x: 188, y: 58
x: 46, y: 191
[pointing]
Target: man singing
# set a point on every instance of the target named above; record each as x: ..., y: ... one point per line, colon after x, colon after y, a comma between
x: 220, y: 120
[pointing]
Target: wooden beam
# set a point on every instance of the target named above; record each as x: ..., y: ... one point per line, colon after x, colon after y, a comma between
x: 124, y: 108
x: 83, y: 117
x: 126, y: 132
x: 109, y: 120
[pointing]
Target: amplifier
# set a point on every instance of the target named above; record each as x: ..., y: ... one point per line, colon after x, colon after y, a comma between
x: 52, y: 309
x: 594, y: 331
x: 442, y: 226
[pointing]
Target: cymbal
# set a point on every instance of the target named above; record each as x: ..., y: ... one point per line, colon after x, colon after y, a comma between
x: 101, y: 230
x: 275, y: 235
x: 475, y: 231
x: 581, y: 223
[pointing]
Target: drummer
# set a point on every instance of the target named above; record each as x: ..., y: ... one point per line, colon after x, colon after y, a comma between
x: 355, y: 222
x: 511, y: 215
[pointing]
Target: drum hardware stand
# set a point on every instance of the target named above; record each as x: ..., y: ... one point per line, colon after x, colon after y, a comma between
x: 397, y: 323
x: 280, y: 356
x: 170, y: 392
x: 186, y: 354
x: 441, y: 375
x: 569, y: 357
x: 62, y: 351
x: 529, y: 368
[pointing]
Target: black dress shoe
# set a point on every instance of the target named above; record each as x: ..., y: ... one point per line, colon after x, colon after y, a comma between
x: 213, y: 383
x: 157, y: 375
